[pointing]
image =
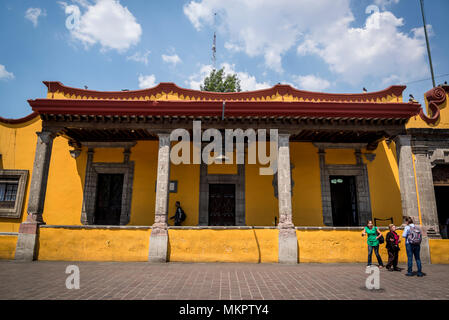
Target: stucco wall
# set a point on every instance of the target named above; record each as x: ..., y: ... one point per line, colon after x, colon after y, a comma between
x: 209, y: 245
x: 7, y: 246
x: 439, y: 251
x: 339, y: 246
x: 93, y: 244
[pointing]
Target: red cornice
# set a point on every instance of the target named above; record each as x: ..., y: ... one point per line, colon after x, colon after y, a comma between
x: 282, y: 89
x: 232, y: 108
x: 27, y: 118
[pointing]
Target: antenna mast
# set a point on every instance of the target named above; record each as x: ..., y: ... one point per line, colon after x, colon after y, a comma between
x: 214, y: 46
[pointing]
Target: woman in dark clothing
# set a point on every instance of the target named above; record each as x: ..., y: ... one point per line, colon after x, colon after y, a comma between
x: 392, y: 245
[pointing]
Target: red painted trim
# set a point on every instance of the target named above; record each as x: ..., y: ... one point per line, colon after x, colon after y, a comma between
x: 435, y: 98
x: 233, y: 108
x: 282, y: 89
x: 27, y: 118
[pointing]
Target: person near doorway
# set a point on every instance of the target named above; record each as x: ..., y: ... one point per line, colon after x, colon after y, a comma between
x: 180, y: 215
x: 373, y: 242
x: 392, y: 245
x: 413, y: 237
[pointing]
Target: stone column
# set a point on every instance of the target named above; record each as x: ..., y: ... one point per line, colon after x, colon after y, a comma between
x: 29, y: 230
x: 412, y: 204
x: 426, y: 192
x: 288, y: 243
x: 159, y: 232
x: 407, y: 177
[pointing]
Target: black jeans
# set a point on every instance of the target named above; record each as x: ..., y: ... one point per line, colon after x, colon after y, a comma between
x: 376, y: 251
x: 393, y: 254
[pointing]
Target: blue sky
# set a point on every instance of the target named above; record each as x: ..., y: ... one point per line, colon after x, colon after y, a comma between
x: 327, y: 45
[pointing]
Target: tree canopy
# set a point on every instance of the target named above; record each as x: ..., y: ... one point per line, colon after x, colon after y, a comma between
x: 217, y: 81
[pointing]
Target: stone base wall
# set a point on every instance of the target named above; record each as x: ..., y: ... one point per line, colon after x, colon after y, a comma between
x: 208, y: 244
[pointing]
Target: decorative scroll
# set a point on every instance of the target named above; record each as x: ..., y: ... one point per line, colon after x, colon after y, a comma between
x: 435, y: 98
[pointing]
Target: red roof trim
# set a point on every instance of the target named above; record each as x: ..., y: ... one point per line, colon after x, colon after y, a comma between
x: 435, y: 97
x: 233, y: 108
x: 282, y: 89
x: 27, y: 118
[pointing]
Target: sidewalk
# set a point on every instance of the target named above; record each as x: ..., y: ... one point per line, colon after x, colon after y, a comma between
x: 140, y: 280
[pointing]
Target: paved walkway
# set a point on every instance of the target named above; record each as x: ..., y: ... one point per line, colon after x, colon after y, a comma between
x: 140, y: 280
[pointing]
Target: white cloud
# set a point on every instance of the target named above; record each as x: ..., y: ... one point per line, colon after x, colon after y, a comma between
x: 140, y: 57
x: 384, y: 3
x: 33, y: 15
x: 378, y: 50
x: 247, y: 81
x: 323, y: 28
x: 105, y: 22
x: 4, y: 74
x: 311, y: 82
x: 266, y: 28
x: 148, y: 81
x: 173, y: 59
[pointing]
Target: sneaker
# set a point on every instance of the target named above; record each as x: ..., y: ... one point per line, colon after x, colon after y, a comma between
x: 397, y: 269
x: 408, y: 274
x: 421, y: 274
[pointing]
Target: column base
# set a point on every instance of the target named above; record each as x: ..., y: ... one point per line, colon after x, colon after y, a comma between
x: 158, y: 245
x: 425, y: 251
x: 27, y: 242
x: 288, y: 246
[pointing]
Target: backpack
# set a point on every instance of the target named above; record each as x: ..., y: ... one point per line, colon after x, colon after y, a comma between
x: 183, y: 215
x: 414, y: 235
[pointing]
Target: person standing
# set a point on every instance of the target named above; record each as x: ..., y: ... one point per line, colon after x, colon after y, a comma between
x: 392, y: 245
x: 413, y: 236
x: 180, y: 215
x: 373, y: 242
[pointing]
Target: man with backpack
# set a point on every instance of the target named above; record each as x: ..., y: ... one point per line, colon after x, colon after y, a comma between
x: 413, y: 236
x: 180, y: 215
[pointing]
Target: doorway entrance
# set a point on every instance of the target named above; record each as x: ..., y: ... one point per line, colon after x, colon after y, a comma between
x: 441, y: 197
x: 109, y: 199
x: 222, y: 204
x: 344, y: 201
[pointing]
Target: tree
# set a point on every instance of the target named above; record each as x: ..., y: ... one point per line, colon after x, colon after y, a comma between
x: 217, y: 81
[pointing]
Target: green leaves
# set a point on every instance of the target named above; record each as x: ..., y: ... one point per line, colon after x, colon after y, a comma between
x: 218, y: 82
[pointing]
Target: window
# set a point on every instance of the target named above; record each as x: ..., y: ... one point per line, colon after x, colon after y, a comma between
x: 12, y: 190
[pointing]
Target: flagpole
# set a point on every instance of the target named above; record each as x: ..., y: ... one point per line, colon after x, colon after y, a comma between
x: 427, y: 43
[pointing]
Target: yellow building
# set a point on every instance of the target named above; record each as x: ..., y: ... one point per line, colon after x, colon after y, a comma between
x: 99, y: 174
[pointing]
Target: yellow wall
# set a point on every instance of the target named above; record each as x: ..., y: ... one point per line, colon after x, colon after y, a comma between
x: 17, y: 146
x: 384, y: 186
x: 66, y: 181
x: 93, y: 244
x: 212, y: 245
x: 439, y: 251
x: 338, y: 246
x: 306, y: 197
x: 7, y: 246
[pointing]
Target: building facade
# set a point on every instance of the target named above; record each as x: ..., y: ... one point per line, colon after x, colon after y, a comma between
x: 91, y: 175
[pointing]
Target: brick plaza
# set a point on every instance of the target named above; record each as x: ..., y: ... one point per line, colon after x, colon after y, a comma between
x: 175, y: 281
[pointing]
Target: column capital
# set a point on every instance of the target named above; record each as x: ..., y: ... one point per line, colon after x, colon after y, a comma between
x: 46, y: 136
x: 403, y: 140
x: 164, y: 138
